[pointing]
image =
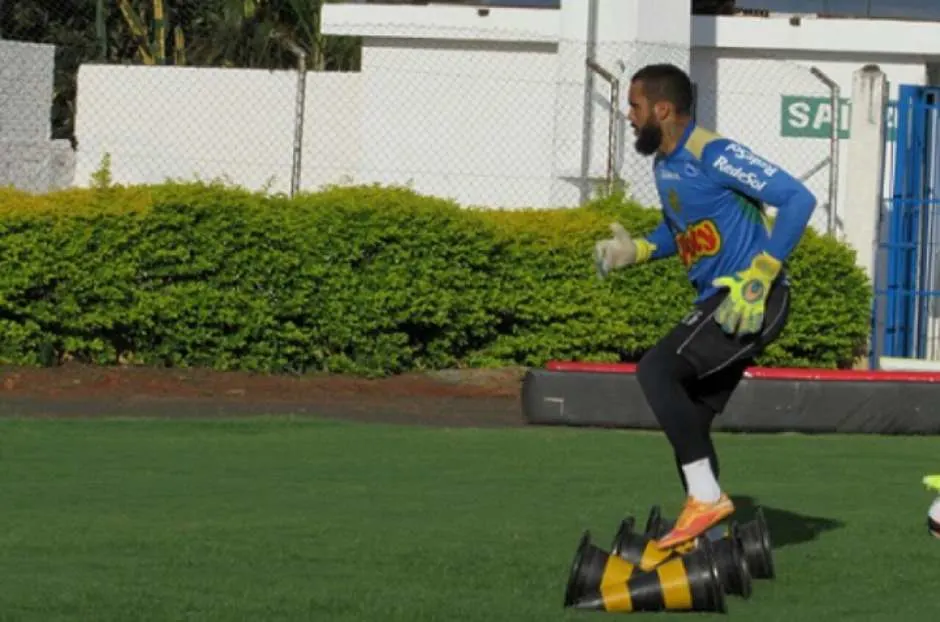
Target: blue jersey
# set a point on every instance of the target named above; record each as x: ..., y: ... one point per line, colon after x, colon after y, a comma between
x: 713, y: 192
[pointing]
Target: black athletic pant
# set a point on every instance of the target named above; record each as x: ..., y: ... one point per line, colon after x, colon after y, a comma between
x: 689, y: 376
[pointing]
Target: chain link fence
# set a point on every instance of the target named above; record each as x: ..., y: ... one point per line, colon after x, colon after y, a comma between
x: 164, y: 88
x: 788, y: 112
x: 785, y: 111
x: 500, y: 119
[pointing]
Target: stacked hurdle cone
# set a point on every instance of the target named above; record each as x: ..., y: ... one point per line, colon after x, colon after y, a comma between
x: 601, y: 581
x: 641, y: 549
x: 636, y: 575
x: 753, y: 536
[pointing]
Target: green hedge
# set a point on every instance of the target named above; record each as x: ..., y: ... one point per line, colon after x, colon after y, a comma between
x: 365, y: 280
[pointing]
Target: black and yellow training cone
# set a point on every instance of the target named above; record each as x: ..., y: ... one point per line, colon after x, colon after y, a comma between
x: 758, y: 548
x: 754, y: 536
x: 656, y: 526
x: 733, y: 566
x: 601, y: 581
x: 642, y: 550
x: 728, y: 552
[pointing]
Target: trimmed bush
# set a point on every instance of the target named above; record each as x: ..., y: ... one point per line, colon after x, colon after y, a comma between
x: 363, y: 280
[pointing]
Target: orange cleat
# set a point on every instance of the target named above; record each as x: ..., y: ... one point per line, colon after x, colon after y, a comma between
x: 696, y: 518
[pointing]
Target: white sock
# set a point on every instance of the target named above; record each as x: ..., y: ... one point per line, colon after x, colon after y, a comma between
x: 702, y: 483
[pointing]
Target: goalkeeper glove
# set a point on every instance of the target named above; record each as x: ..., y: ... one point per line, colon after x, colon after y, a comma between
x: 742, y: 310
x: 619, y: 251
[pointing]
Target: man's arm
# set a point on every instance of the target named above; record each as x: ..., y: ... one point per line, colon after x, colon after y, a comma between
x: 657, y: 245
x: 735, y: 166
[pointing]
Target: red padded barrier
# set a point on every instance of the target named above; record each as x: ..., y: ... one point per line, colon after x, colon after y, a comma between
x: 769, y: 373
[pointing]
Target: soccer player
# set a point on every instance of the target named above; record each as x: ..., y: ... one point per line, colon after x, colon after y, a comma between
x: 933, y: 512
x: 712, y: 190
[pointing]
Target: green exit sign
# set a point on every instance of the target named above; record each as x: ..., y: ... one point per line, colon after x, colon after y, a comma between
x: 811, y: 117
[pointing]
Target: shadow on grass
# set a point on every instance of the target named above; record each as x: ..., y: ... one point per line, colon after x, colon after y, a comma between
x: 786, y: 528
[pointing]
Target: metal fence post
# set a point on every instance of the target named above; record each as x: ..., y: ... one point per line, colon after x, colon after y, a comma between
x: 614, y: 83
x: 300, y: 104
x: 836, y: 104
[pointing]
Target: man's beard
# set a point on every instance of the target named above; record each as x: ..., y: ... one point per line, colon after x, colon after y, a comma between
x: 649, y: 138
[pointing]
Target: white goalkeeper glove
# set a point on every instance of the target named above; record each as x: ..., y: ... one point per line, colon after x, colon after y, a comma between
x: 620, y: 251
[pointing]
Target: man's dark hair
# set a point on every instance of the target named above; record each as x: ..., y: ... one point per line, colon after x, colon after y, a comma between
x: 666, y: 82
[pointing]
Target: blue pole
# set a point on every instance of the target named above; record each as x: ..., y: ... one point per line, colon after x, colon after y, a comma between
x: 892, y: 337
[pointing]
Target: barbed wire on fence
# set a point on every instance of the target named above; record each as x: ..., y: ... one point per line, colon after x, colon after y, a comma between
x: 472, y: 114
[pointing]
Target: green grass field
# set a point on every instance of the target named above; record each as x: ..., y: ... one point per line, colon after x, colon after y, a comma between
x: 289, y: 519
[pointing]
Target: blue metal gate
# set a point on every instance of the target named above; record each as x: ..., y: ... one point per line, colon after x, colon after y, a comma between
x: 906, y: 322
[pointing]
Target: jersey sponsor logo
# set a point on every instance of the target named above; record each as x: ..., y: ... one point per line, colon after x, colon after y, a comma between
x: 748, y: 178
x: 701, y: 239
x: 741, y: 152
x: 667, y: 174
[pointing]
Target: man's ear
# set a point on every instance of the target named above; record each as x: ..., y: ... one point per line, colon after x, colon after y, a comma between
x: 661, y: 109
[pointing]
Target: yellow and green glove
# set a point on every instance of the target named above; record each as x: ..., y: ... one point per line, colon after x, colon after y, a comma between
x: 742, y: 310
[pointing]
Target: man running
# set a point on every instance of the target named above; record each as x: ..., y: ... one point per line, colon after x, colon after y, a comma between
x: 712, y: 190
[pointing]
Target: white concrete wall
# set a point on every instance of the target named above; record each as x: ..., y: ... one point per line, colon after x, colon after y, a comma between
x: 26, y: 74
x: 488, y: 107
x: 472, y: 121
x: 179, y: 122
x: 487, y: 112
x: 29, y: 159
